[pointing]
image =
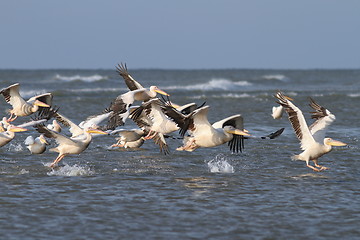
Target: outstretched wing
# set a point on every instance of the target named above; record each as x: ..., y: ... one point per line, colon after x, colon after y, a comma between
x: 59, y: 138
x: 297, y: 121
x: 236, y: 144
x: 73, y: 128
x: 12, y: 95
x: 323, y: 119
x: 129, y: 80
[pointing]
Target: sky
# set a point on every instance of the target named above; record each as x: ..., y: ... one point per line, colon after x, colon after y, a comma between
x: 186, y: 34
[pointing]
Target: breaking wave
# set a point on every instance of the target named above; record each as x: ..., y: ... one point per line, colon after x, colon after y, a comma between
x: 92, y: 78
x: 214, y: 84
x: 278, y: 77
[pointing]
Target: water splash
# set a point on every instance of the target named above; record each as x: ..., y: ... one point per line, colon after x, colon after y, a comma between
x: 15, y: 147
x: 220, y: 165
x: 71, y: 171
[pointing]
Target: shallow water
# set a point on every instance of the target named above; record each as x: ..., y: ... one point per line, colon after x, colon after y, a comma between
x: 206, y: 194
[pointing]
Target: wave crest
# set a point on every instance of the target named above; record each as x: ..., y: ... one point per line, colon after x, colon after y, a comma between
x: 214, y: 84
x: 92, y: 78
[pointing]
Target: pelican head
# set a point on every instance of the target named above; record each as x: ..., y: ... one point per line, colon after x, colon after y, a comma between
x: 332, y: 142
x: 156, y: 89
x: 232, y: 130
x: 43, y: 140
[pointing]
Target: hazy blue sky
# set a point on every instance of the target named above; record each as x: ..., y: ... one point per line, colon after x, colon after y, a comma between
x: 180, y: 34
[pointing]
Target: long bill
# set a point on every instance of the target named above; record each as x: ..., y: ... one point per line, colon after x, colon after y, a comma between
x: 40, y: 104
x: 336, y: 143
x: 161, y: 92
x: 239, y: 132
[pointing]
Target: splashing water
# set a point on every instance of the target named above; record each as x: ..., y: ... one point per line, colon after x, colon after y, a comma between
x: 220, y: 165
x: 71, y: 171
x: 13, y: 147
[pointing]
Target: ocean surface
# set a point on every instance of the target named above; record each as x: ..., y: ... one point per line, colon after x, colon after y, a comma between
x: 210, y: 193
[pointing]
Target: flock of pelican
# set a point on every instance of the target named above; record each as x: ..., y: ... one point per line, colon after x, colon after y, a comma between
x: 156, y: 118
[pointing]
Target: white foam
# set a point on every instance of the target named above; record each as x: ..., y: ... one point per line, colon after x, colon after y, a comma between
x: 220, y: 165
x: 71, y: 171
x: 354, y: 95
x: 213, y: 84
x: 15, y: 147
x: 92, y: 78
x: 23, y: 171
x: 278, y: 77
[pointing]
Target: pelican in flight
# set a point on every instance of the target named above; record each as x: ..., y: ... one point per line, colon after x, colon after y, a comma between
x: 312, y: 139
x: 203, y: 134
x: 20, y: 106
x: 133, y: 85
x: 36, y: 145
x: 7, y: 133
x: 7, y: 130
x: 120, y: 107
x: 132, y: 138
x: 75, y: 144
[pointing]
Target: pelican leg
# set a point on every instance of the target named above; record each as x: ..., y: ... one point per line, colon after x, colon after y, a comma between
x: 319, y: 166
x: 313, y: 168
x: 118, y: 144
x: 11, y: 118
x: 189, y: 146
x: 57, y: 160
x: 149, y: 135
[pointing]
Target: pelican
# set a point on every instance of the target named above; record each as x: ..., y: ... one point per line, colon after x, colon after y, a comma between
x: 76, y: 144
x: 312, y: 139
x: 20, y: 106
x: 151, y: 118
x: 134, y: 85
x: 120, y: 107
x: 133, y: 138
x: 7, y: 133
x: 36, y: 145
x: 203, y: 134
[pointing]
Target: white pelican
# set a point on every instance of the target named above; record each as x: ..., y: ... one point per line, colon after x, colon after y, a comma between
x: 151, y: 118
x: 203, y: 134
x: 7, y: 133
x: 133, y: 138
x: 20, y: 106
x: 36, y: 145
x: 134, y: 85
x: 312, y: 139
x: 120, y: 107
x: 7, y: 130
x: 69, y: 145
